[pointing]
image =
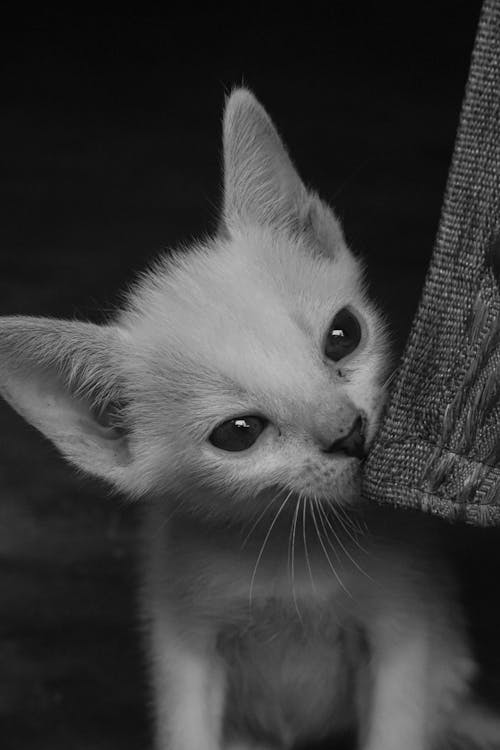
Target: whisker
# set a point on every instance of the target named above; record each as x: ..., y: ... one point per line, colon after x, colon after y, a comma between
x: 304, y: 537
x: 328, y: 559
x: 261, y: 516
x: 289, y: 554
x: 322, y: 516
x: 339, y: 541
x: 390, y: 377
x: 349, y: 530
x: 350, y: 521
x: 266, y: 538
x: 293, y: 532
x: 162, y: 526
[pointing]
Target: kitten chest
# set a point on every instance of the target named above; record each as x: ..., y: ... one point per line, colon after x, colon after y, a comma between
x: 289, y: 678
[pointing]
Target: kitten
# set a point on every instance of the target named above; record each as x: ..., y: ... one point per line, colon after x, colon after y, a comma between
x: 236, y: 395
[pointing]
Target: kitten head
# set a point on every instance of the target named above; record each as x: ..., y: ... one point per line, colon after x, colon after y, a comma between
x: 245, y: 367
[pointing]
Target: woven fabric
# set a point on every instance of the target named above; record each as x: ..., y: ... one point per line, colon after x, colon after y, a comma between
x: 439, y: 445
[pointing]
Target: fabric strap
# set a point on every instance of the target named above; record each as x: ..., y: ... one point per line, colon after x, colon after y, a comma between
x: 438, y: 448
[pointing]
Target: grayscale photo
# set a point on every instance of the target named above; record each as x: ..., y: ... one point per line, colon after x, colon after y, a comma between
x: 250, y: 378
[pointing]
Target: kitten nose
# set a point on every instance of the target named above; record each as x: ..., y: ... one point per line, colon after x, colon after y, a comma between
x: 353, y: 443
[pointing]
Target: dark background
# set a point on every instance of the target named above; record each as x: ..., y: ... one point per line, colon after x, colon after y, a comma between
x: 110, y: 150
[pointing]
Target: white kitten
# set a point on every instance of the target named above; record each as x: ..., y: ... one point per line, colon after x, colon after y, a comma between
x: 236, y: 394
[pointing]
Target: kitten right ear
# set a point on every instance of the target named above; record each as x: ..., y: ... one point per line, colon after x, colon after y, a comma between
x: 261, y: 184
x: 62, y: 377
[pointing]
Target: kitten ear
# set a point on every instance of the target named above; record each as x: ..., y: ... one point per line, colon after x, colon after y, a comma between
x: 62, y: 377
x: 260, y: 181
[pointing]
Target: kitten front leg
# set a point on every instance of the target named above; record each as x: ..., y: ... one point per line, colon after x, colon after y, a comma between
x: 188, y: 683
x: 397, y: 714
x: 418, y: 682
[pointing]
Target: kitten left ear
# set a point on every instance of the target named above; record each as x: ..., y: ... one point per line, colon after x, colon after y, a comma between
x: 260, y: 182
x: 63, y: 378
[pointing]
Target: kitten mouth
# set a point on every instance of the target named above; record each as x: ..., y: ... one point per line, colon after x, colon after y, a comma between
x: 350, y: 464
x: 358, y: 454
x: 341, y: 485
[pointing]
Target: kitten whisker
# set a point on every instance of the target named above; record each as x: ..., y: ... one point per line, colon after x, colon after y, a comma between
x: 261, y: 516
x: 339, y: 541
x: 353, y: 524
x: 387, y: 382
x: 328, y: 559
x: 305, y: 506
x: 266, y: 538
x: 359, y: 524
x: 350, y: 530
x: 163, y: 525
x: 293, y: 530
x: 322, y: 516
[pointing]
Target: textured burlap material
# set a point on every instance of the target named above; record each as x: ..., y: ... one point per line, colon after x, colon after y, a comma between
x: 439, y: 445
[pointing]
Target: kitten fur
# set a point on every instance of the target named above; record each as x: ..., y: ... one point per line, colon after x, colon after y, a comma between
x: 277, y: 610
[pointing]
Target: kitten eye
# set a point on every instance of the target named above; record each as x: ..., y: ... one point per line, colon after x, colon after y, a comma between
x: 343, y: 335
x: 237, y: 434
